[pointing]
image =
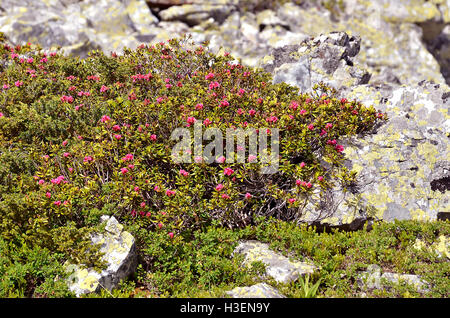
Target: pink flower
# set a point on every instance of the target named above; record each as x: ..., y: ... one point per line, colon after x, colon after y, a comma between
x: 116, y: 127
x: 104, y: 88
x: 240, y: 111
x: 18, y: 83
x: 65, y: 202
x: 57, y: 180
x: 199, y: 106
x: 44, y: 60
x: 221, y: 159
x: 128, y: 157
x: 184, y: 173
x: 213, y: 85
x: 302, y: 164
x: 153, y: 137
x: 292, y: 200
x: 209, y: 76
x: 252, y: 112
x: 302, y: 112
x: 88, y: 158
x: 272, y: 119
x: 160, y: 225
x: 308, y: 185
x: 66, y: 154
x: 310, y: 126
x: 207, y: 122
x: 105, y: 118
x: 41, y: 181
x: 198, y: 159
x: 248, y: 196
x: 228, y: 171
x: 131, y: 166
x: 191, y: 120
x: 224, y: 103
x: 219, y: 187
x: 225, y: 196
x: 252, y: 158
x: 298, y: 182
x: 30, y: 60
x: 64, y: 143
x: 136, y: 189
x: 70, y: 169
x: 5, y: 86
x: 332, y: 142
x: 123, y: 170
x: 142, y: 204
x: 171, y: 235
x: 294, y: 105
x: 118, y: 137
x: 170, y: 193
x: 328, y: 126
x: 156, y: 188
x: 48, y: 195
x: 68, y: 99
x: 168, y: 86
x: 339, y: 148
x: 323, y: 132
x: 57, y: 203
x: 320, y: 178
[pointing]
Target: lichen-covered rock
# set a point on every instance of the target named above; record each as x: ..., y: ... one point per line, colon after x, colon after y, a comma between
x: 194, y: 14
x: 77, y: 26
x: 326, y: 58
x: 120, y: 255
x: 261, y: 290
x: 374, y: 279
x: 441, y: 247
x: 401, y: 165
x: 278, y: 266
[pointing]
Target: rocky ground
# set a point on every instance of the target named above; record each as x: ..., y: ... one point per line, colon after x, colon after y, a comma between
x: 394, y: 55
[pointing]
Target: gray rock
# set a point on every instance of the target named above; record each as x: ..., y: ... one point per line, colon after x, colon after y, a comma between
x: 261, y: 290
x: 278, y: 266
x: 120, y: 256
x: 399, y: 164
x: 194, y: 14
x: 326, y: 58
x: 373, y: 278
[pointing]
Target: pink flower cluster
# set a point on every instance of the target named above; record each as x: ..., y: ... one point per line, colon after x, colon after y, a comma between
x: 137, y: 77
x: 57, y: 180
x: 68, y: 99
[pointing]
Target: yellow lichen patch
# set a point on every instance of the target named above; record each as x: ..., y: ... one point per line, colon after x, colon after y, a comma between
x: 419, y: 215
x: 89, y: 283
x: 442, y: 246
x: 429, y: 152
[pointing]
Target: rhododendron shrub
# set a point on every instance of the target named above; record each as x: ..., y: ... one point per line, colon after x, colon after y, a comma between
x: 86, y: 137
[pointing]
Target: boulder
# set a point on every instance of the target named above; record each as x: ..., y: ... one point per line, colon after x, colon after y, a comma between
x: 194, y: 14
x: 261, y: 290
x: 120, y: 255
x: 279, y: 267
x: 374, y: 279
x: 326, y: 58
x: 77, y: 26
x: 403, y: 167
